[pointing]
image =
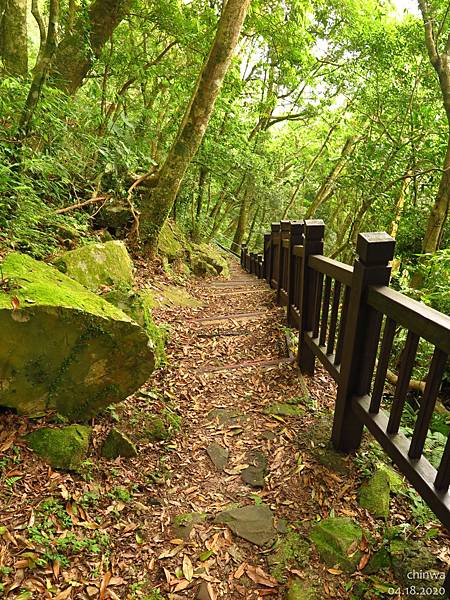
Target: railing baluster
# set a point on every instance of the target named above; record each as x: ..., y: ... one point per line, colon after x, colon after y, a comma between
x: 334, y: 316
x: 325, y: 309
x: 428, y: 403
x: 442, y: 481
x: 317, y: 305
x: 342, y: 325
x: 401, y: 389
x: 383, y: 363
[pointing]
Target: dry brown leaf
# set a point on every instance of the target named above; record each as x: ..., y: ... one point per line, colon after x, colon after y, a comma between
x: 188, y: 569
x: 240, y: 570
x: 335, y: 571
x: 64, y: 595
x: 257, y: 575
x: 105, y: 581
x: 363, y: 562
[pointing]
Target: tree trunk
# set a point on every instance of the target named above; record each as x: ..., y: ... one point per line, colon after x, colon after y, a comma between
x: 400, y: 203
x: 327, y: 188
x: 157, y: 205
x: 242, y: 220
x: 83, y: 43
x: 41, y: 69
x: 14, y: 36
x: 441, y: 63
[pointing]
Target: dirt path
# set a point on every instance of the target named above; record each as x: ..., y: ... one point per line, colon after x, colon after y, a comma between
x: 151, y: 527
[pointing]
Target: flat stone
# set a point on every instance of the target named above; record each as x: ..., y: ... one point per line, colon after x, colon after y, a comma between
x: 218, y: 455
x: 284, y: 410
x: 255, y: 473
x: 117, y: 444
x: 251, y: 523
x: 337, y: 540
x: 184, y: 524
x: 227, y: 416
x: 374, y: 495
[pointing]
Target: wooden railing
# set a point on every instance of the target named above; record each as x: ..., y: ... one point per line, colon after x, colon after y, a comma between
x: 347, y: 318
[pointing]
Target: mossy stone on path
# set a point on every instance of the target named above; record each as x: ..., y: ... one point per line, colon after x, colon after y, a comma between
x: 379, y: 561
x: 218, y: 455
x: 375, y: 494
x: 63, y: 448
x: 255, y: 473
x: 284, y: 410
x: 337, y: 540
x: 63, y: 347
x: 412, y: 555
x: 227, y: 416
x: 98, y: 264
x: 302, y: 590
x: 184, y: 524
x: 252, y: 523
x: 396, y: 481
x: 156, y: 430
x: 117, y: 444
x: 318, y: 441
x: 292, y: 551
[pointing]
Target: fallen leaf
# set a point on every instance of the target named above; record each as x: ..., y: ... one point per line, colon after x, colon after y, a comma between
x: 105, y: 581
x: 188, y: 569
x: 335, y: 571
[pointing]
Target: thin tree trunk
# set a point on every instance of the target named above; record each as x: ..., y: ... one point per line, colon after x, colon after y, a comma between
x: 327, y: 188
x: 157, y: 205
x: 242, y: 219
x: 14, y: 37
x: 400, y: 204
x: 42, y: 68
x: 252, y: 226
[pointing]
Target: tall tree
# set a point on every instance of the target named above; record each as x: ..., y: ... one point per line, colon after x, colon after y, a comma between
x: 441, y: 64
x: 84, y: 40
x: 14, y: 36
x: 158, y: 203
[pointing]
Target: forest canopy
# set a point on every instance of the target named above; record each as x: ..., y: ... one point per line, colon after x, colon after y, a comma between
x: 227, y: 117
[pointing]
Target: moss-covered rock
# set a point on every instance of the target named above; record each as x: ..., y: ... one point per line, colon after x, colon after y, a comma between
x: 292, y: 551
x: 302, y: 590
x: 156, y: 430
x: 337, y: 540
x: 183, y: 524
x: 63, y: 448
x: 138, y: 306
x: 409, y: 556
x: 375, y: 494
x: 396, y: 481
x: 98, y: 264
x: 117, y: 444
x: 379, y: 561
x: 171, y: 242
x: 204, y: 259
x: 284, y: 410
x: 63, y: 347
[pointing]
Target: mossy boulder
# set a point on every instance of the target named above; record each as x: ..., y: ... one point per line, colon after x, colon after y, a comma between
x: 284, y: 409
x: 156, y: 430
x: 409, y: 556
x: 292, y: 551
x: 204, y: 259
x: 337, y: 540
x: 98, y: 264
x: 138, y: 306
x: 396, y: 481
x: 302, y: 590
x: 375, y: 494
x: 63, y: 347
x: 117, y: 444
x: 171, y: 242
x: 63, y: 448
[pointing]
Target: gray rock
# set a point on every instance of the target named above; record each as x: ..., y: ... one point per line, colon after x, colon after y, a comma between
x: 227, y: 416
x: 251, y: 523
x: 255, y: 473
x: 117, y: 444
x: 184, y: 524
x: 218, y: 455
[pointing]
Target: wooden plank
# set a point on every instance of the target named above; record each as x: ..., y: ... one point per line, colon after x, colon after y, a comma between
x: 415, y: 316
x: 334, y: 316
x: 404, y: 376
x: 342, y: 326
x: 419, y: 472
x: 325, y: 310
x: 428, y: 402
x: 333, y: 268
x: 383, y: 364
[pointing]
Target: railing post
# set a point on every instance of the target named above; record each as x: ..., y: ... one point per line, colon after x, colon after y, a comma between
x: 267, y: 252
x: 313, y: 232
x: 259, y: 258
x: 295, y: 240
x: 285, y: 230
x: 243, y: 251
x: 361, y: 336
x: 275, y: 229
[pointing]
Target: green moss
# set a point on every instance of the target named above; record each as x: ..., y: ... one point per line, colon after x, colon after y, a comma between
x: 374, y: 495
x: 156, y: 430
x: 97, y: 264
x: 170, y: 242
x: 302, y: 590
x: 117, y: 444
x: 335, y: 538
x: 35, y: 283
x: 292, y: 551
x: 284, y: 410
x: 62, y: 448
